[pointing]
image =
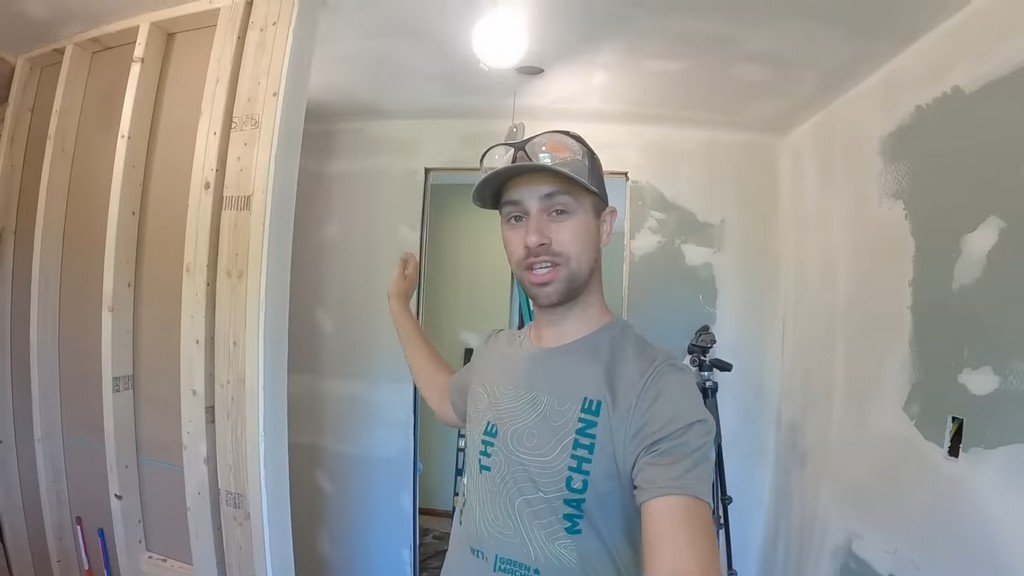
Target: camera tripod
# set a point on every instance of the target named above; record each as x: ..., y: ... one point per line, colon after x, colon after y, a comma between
x: 698, y: 349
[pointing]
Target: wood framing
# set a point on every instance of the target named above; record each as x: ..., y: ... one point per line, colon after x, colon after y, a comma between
x: 224, y: 302
x: 157, y: 565
x: 198, y: 292
x: 117, y: 314
x: 275, y: 281
x: 239, y: 285
x: 12, y: 156
x: 98, y: 38
x: 44, y: 323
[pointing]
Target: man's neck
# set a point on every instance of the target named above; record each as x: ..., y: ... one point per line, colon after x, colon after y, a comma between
x: 557, y: 326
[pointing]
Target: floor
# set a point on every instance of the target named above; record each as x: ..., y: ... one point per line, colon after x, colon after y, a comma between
x: 434, y: 533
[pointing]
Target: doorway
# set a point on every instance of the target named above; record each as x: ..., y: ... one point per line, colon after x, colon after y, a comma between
x: 466, y: 290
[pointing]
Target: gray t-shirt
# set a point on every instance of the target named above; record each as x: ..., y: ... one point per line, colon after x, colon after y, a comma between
x: 564, y: 444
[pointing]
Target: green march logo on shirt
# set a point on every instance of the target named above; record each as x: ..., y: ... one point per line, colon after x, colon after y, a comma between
x: 513, y: 567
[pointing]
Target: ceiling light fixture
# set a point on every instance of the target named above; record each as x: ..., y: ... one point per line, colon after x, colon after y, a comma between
x: 500, y: 37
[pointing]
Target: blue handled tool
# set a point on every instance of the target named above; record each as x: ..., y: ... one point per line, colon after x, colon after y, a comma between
x: 104, y: 553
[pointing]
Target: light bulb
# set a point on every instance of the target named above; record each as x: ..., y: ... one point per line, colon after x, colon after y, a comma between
x: 500, y: 37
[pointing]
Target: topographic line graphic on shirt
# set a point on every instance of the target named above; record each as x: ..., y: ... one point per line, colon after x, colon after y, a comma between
x: 519, y: 453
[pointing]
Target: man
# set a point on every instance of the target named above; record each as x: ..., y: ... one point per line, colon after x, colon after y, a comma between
x: 589, y: 451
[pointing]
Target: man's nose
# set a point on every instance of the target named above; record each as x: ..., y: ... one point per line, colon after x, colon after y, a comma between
x: 537, y: 233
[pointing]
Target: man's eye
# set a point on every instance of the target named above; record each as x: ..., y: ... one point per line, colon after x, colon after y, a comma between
x: 516, y: 218
x: 559, y: 211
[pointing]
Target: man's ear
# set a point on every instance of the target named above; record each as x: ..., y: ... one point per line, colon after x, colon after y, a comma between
x: 608, y: 218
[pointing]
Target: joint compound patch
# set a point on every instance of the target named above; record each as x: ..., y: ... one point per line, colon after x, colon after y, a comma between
x: 697, y: 255
x: 974, y: 249
x: 955, y: 165
x: 895, y: 179
x: 981, y: 381
x: 672, y: 253
x: 647, y: 239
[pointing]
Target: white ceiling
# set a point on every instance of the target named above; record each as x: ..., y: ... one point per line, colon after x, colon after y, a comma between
x: 759, y: 65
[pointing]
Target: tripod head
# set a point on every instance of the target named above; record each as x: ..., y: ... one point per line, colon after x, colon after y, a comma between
x: 699, y: 348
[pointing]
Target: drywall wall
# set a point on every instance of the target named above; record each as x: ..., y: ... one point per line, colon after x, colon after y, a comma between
x: 901, y: 223
x: 613, y: 256
x: 81, y: 290
x: 157, y: 327
x: 466, y: 284
x: 350, y: 393
x: 670, y: 241
x: 960, y: 181
x: 21, y: 285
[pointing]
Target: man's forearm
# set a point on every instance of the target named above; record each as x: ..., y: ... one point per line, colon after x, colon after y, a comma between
x: 431, y: 373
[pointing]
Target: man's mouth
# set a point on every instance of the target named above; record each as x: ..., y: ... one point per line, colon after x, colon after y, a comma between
x: 541, y: 272
x: 541, y: 268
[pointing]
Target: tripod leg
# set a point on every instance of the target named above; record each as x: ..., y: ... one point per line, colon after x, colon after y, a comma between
x: 725, y: 501
x: 721, y: 492
x: 716, y: 512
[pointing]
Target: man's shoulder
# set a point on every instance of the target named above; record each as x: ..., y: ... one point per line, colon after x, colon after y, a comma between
x: 493, y: 340
x: 650, y: 357
x: 500, y: 337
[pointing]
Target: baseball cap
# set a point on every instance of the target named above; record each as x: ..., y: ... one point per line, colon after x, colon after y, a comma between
x: 554, y: 151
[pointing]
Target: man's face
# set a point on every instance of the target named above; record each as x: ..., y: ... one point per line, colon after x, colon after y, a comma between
x: 553, y: 236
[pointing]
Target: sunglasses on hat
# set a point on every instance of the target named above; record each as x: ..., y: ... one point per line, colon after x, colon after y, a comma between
x: 558, y: 151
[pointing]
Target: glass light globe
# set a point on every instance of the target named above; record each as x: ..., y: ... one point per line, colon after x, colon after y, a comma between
x: 500, y: 37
